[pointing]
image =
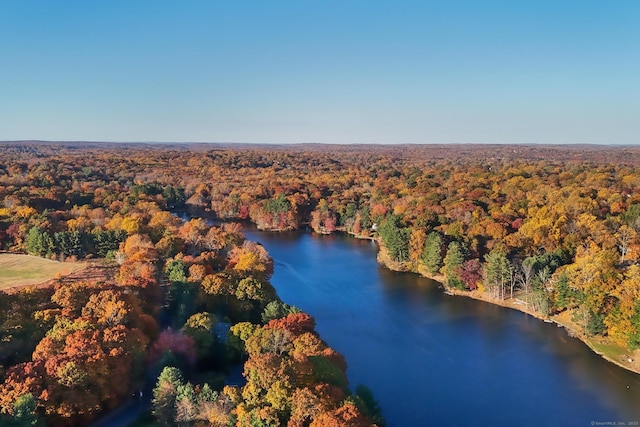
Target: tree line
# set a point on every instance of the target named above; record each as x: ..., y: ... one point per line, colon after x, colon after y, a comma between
x: 552, y: 228
x: 180, y: 300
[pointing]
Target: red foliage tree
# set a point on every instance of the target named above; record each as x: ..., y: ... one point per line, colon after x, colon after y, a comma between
x: 471, y: 273
x: 296, y: 324
x: 177, y: 342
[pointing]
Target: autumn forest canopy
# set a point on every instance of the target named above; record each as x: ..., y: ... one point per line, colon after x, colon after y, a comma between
x: 173, y: 302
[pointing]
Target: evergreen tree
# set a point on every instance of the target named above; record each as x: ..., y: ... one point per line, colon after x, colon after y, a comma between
x: 348, y: 213
x: 634, y: 336
x: 186, y: 404
x: 277, y: 309
x: 368, y: 405
x: 365, y: 218
x: 452, y: 263
x: 277, y: 205
x: 174, y: 196
x: 24, y: 412
x: 395, y: 238
x: 496, y: 272
x: 632, y: 215
x: 107, y: 240
x: 207, y: 394
x: 432, y: 254
x: 595, y: 324
x: 39, y: 242
x: 165, y: 395
x: 69, y: 243
x: 565, y: 295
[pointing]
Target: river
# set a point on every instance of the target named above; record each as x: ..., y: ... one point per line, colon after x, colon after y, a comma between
x: 440, y: 360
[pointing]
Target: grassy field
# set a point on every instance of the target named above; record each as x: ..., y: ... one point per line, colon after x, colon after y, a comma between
x: 603, y: 345
x: 17, y: 270
x: 612, y: 350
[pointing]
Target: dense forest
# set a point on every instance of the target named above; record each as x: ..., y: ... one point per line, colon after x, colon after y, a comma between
x: 552, y: 229
x: 167, y: 305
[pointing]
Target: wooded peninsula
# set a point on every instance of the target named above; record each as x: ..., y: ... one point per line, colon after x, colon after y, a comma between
x: 158, y: 297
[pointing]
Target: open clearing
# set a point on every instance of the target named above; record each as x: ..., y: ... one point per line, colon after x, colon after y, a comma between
x: 19, y: 270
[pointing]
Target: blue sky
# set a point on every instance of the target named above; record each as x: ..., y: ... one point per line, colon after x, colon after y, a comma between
x: 347, y: 71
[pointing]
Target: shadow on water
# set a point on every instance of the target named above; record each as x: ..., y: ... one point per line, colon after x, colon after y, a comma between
x: 435, y: 359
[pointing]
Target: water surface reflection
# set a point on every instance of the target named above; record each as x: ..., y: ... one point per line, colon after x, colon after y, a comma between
x: 435, y: 359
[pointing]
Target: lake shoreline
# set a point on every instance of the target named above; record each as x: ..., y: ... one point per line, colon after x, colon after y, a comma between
x: 560, y: 321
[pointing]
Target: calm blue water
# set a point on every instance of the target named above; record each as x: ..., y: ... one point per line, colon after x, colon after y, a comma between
x: 438, y: 360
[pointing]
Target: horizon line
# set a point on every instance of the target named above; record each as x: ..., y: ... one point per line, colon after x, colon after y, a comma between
x: 148, y: 142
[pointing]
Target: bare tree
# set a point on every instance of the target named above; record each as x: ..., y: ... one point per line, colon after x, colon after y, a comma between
x: 526, y: 277
x: 279, y: 342
x: 545, y: 279
x: 119, y: 256
x: 624, y: 237
x: 514, y: 276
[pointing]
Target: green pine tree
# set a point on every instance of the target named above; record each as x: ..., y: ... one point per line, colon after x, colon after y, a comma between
x: 432, y: 254
x: 395, y: 238
x: 497, y: 272
x: 24, y: 412
x: 453, y: 260
x: 165, y: 394
x: 39, y: 243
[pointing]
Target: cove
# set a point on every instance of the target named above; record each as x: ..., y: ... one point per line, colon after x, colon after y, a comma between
x: 435, y: 359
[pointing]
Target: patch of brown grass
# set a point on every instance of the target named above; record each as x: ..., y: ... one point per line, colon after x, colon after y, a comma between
x: 21, y: 270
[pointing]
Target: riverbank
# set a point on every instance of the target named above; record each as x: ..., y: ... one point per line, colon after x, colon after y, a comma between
x: 376, y: 317
x: 602, y: 346
x: 605, y: 348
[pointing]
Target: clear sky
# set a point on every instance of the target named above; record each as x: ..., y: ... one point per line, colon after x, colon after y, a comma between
x: 345, y: 71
